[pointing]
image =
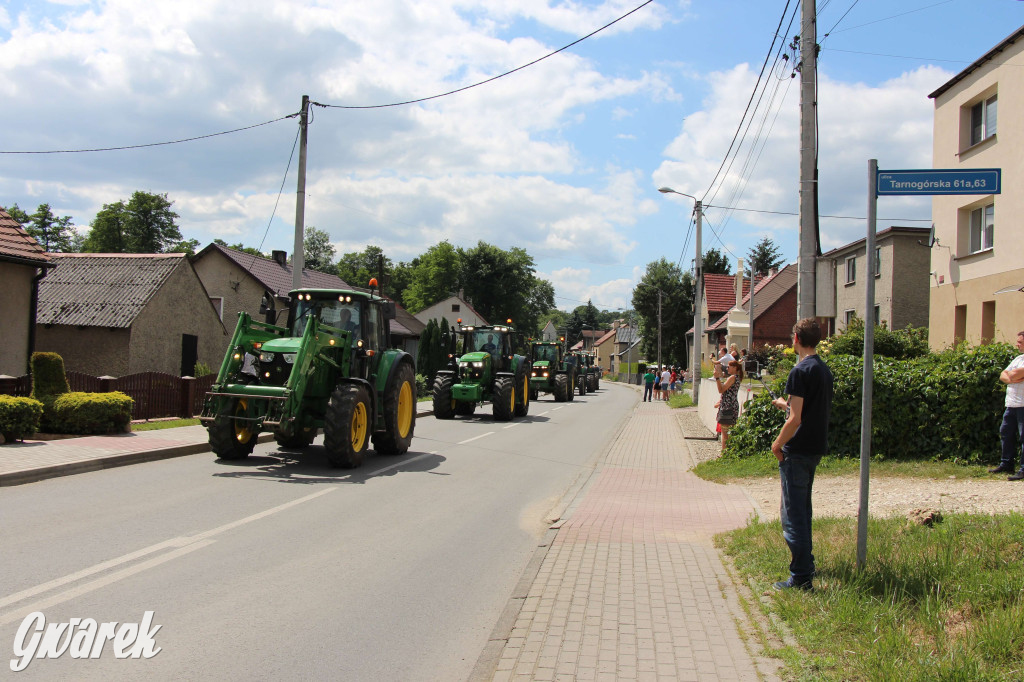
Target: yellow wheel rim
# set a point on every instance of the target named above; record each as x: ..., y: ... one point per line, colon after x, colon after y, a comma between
x: 359, y: 426
x: 243, y: 430
x: 526, y: 390
x: 512, y: 399
x: 405, y: 408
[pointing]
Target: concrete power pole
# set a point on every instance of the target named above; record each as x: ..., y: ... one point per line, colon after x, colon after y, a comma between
x: 698, y: 333
x: 806, y: 262
x: 298, y: 260
x: 659, y: 330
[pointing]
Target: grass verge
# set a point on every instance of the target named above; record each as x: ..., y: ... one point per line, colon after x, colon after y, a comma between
x: 932, y: 603
x: 164, y: 424
x: 729, y: 468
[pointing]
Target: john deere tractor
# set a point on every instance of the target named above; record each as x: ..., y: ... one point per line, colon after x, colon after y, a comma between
x: 488, y: 371
x: 587, y: 372
x: 552, y: 373
x: 330, y: 367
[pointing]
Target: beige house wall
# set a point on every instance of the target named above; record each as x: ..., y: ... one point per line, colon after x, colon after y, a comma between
x: 225, y: 279
x: 99, y: 351
x: 15, y: 308
x: 443, y: 309
x: 180, y: 307
x: 961, y: 278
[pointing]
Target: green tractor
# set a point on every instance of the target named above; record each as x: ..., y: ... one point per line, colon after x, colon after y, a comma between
x: 587, y: 372
x: 552, y: 372
x: 488, y: 371
x: 330, y: 367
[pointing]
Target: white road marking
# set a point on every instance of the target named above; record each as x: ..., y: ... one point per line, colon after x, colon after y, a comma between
x: 470, y: 440
x: 402, y: 463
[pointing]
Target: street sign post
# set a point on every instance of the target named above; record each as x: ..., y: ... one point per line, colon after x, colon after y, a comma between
x: 938, y: 181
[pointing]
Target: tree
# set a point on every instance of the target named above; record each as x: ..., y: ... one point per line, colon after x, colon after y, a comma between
x: 252, y: 251
x: 188, y: 246
x: 427, y: 361
x: 502, y: 284
x: 317, y: 251
x: 676, y: 311
x: 715, y: 262
x: 18, y: 214
x: 53, y: 233
x: 358, y: 267
x: 144, y: 225
x: 399, y: 280
x: 435, y: 277
x: 582, y: 317
x: 763, y: 257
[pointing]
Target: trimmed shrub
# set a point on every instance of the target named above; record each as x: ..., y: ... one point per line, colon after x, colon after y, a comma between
x: 900, y: 344
x: 48, y: 382
x: 19, y: 417
x: 422, y: 390
x: 92, y: 412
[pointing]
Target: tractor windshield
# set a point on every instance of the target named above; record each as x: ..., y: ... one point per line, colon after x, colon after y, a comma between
x: 549, y: 353
x: 484, y: 340
x: 332, y: 312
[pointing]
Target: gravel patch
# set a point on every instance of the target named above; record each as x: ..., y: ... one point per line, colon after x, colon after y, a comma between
x: 839, y: 496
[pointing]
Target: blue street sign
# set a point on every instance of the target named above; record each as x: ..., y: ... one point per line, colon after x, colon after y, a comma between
x: 938, y: 181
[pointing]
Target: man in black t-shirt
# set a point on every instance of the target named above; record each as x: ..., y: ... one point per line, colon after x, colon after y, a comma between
x: 799, y: 447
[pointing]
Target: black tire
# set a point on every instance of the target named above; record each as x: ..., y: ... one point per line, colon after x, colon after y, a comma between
x: 522, y: 407
x: 444, y: 406
x: 503, y: 400
x: 570, y: 386
x: 534, y: 393
x: 399, y: 414
x: 297, y: 441
x: 582, y: 383
x: 465, y: 408
x: 561, y: 388
x: 347, y: 426
x: 230, y: 438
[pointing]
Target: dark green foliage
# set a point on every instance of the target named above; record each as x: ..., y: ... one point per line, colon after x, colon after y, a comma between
x: 19, y: 417
x: 92, y: 412
x: 764, y: 256
x: 427, y: 356
x: 48, y: 375
x: 422, y: 387
x: 714, y: 262
x: 767, y: 357
x: 899, y: 344
x: 145, y: 224
x: 945, y: 406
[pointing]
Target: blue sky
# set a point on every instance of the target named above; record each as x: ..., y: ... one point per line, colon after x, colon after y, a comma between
x: 563, y: 158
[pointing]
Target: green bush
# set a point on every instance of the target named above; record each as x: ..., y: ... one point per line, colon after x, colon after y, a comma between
x: 92, y: 412
x: 944, y: 406
x: 898, y: 344
x: 48, y: 382
x: 202, y: 369
x: 19, y: 417
x: 422, y: 389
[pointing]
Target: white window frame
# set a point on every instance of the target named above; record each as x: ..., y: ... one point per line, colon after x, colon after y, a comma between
x: 218, y: 303
x: 851, y: 269
x: 982, y: 226
x: 878, y: 261
x: 983, y: 119
x: 848, y: 316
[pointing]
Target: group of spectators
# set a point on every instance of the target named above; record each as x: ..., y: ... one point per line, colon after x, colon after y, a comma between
x: 663, y: 384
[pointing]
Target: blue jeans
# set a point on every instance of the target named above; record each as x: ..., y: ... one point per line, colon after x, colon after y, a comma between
x: 647, y: 392
x: 797, y: 474
x: 1012, y: 432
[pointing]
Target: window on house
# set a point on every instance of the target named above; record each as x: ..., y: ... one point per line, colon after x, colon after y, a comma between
x: 959, y: 323
x: 218, y: 305
x: 988, y: 322
x: 849, y: 316
x: 983, y: 119
x: 851, y: 269
x: 878, y: 261
x: 455, y: 307
x: 982, y: 227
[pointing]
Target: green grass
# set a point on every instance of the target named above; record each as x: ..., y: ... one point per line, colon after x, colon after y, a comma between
x: 680, y: 400
x: 164, y: 424
x: 730, y: 468
x: 942, y: 603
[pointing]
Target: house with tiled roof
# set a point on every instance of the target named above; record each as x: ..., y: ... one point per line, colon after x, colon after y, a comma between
x: 451, y: 309
x: 117, y: 314
x: 774, y: 311
x: 23, y: 263
x: 604, y: 346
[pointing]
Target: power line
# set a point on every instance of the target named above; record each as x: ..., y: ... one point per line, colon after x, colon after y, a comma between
x: 894, y: 16
x: 842, y: 217
x: 151, y: 144
x: 488, y: 80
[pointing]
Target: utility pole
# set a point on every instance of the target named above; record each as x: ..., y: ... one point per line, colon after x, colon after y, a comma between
x: 298, y: 260
x: 805, y: 285
x: 659, y: 330
x: 698, y: 333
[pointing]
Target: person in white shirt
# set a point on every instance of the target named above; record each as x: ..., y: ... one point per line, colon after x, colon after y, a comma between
x: 666, y: 383
x: 1012, y: 430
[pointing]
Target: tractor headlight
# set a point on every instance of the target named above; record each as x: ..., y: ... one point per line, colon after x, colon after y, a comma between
x: 266, y: 357
x: 477, y: 364
x: 289, y: 358
x: 545, y: 374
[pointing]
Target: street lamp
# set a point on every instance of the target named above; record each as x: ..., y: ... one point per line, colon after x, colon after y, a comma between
x: 697, y: 331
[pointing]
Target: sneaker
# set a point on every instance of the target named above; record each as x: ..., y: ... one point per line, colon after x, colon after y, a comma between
x: 790, y: 584
x: 1003, y: 468
x: 1019, y: 476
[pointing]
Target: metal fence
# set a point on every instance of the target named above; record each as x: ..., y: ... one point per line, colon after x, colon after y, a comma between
x: 156, y: 395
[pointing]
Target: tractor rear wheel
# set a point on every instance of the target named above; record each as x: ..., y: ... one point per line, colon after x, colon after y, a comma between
x: 444, y: 404
x: 232, y: 438
x: 347, y: 426
x: 561, y: 388
x: 522, y: 406
x: 570, y: 386
x: 399, y: 414
x: 504, y: 399
x: 581, y: 380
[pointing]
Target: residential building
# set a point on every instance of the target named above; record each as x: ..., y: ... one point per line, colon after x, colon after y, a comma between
x: 604, y: 347
x: 718, y: 298
x: 775, y: 302
x: 899, y: 266
x: 550, y: 332
x: 22, y: 264
x: 119, y: 314
x: 451, y: 309
x: 977, y: 269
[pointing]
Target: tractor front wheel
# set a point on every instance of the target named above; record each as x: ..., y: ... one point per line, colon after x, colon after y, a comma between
x: 232, y: 438
x: 347, y: 426
x: 444, y: 404
x: 399, y: 414
x: 522, y: 406
x: 562, y: 391
x: 504, y: 399
x: 582, y: 381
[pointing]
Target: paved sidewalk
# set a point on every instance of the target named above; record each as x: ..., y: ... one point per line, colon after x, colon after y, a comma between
x: 36, y: 460
x: 631, y: 586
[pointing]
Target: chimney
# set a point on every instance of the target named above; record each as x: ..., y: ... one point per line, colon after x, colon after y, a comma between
x: 280, y: 257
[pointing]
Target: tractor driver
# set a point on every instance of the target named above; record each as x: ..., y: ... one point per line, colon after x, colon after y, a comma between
x: 490, y: 347
x: 347, y: 323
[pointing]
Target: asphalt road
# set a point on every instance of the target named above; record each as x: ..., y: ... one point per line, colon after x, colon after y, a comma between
x: 284, y: 568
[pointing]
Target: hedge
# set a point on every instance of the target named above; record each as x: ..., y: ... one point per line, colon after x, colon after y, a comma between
x: 92, y: 412
x: 19, y: 417
x: 944, y: 406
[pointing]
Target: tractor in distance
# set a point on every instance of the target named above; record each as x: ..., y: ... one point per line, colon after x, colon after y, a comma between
x: 551, y: 372
x: 588, y: 373
x: 489, y: 370
x: 331, y: 367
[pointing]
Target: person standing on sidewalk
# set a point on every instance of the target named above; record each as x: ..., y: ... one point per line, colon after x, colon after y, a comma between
x: 666, y: 383
x: 799, y: 447
x: 1012, y: 430
x: 728, y: 402
x: 648, y: 385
